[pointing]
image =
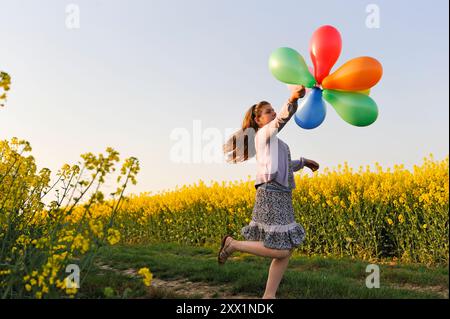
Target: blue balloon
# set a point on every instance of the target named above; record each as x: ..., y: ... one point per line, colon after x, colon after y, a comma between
x: 312, y: 110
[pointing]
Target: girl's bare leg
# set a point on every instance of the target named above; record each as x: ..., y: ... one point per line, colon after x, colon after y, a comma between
x: 277, y: 268
x: 257, y: 248
x: 276, y: 272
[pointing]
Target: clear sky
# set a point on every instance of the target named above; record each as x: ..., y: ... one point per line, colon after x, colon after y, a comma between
x: 134, y: 71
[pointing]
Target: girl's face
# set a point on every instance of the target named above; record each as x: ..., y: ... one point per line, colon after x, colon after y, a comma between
x: 267, y: 115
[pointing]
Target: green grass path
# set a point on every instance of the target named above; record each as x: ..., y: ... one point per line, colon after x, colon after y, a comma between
x: 193, y: 272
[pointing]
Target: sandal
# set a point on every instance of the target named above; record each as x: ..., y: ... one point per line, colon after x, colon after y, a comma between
x: 223, y: 253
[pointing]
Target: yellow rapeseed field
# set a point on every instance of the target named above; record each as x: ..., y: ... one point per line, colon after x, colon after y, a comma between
x: 368, y: 214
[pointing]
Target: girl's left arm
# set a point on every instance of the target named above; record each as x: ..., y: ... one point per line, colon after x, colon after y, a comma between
x: 298, y: 164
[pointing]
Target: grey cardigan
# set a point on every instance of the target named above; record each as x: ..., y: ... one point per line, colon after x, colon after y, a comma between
x: 272, y: 161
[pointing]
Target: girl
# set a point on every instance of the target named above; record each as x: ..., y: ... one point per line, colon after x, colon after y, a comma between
x: 272, y: 231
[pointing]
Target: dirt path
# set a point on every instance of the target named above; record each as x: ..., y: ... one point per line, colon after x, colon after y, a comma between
x: 435, y: 289
x: 182, y: 287
x: 193, y: 289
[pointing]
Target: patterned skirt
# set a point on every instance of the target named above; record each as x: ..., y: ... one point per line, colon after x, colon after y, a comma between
x: 273, y: 221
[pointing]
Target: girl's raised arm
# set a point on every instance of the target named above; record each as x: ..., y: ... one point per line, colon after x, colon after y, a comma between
x: 288, y: 109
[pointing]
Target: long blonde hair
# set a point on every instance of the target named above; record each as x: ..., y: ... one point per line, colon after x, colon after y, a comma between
x: 241, y: 145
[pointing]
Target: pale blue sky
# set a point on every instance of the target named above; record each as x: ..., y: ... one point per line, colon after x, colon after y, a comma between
x: 136, y: 70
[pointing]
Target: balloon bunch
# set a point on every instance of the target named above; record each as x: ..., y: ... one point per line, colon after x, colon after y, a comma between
x: 347, y: 89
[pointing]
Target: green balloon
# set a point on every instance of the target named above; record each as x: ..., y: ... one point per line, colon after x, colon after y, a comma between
x: 355, y: 108
x: 288, y: 66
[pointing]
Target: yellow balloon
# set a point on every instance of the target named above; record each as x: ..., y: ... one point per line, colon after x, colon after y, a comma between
x: 365, y: 92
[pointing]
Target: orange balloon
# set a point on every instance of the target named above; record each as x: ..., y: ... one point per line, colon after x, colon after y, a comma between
x: 355, y: 75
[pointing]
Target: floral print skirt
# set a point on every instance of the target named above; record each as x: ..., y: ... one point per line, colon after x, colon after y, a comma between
x: 273, y: 221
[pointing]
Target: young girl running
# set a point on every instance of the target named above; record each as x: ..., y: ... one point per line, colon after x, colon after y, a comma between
x: 272, y: 231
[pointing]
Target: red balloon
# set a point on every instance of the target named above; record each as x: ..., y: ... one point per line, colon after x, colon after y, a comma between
x: 325, y: 47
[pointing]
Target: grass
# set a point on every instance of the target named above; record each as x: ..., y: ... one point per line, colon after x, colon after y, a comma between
x: 244, y: 274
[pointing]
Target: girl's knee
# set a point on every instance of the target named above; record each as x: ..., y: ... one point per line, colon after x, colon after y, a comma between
x: 288, y: 253
x: 285, y: 254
